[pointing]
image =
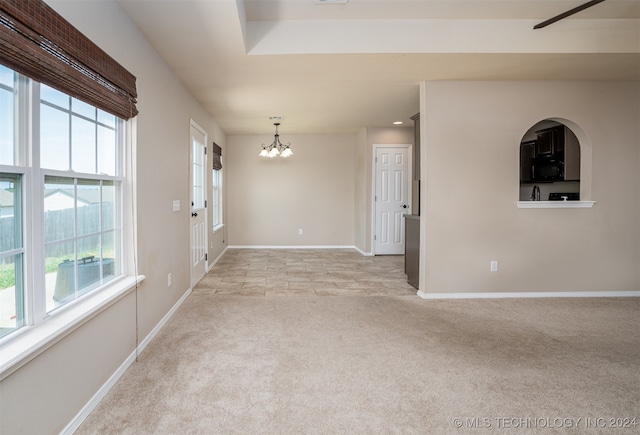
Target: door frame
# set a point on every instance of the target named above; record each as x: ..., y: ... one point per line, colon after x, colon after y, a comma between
x: 374, y: 148
x: 196, y: 126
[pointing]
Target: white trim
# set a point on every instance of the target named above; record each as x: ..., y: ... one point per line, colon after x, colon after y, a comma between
x: 292, y: 247
x: 30, y: 341
x: 365, y: 254
x: 81, y: 416
x: 604, y: 294
x: 555, y: 204
x: 213, y: 263
x: 162, y: 322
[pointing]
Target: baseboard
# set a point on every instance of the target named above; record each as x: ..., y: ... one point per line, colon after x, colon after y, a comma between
x: 162, y: 322
x: 292, y: 247
x: 75, y: 423
x: 365, y: 254
x: 97, y: 398
x: 213, y: 263
x: 605, y: 294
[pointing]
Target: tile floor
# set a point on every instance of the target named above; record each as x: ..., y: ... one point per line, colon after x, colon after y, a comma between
x: 311, y: 272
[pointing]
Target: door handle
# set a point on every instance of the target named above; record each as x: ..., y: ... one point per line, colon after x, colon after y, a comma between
x: 194, y: 214
x: 405, y: 206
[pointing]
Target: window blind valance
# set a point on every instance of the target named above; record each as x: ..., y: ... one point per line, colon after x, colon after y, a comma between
x: 37, y: 42
x: 216, y: 154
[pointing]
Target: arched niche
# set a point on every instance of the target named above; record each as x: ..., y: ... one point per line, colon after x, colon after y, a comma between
x: 555, y: 162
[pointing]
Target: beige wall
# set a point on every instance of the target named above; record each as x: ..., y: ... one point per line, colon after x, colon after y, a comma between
x: 470, y: 142
x: 270, y: 199
x: 361, y: 185
x: 45, y: 394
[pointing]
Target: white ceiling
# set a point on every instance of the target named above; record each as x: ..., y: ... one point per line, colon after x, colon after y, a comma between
x: 335, y: 68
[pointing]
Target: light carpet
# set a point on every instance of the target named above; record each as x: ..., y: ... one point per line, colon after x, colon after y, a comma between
x: 382, y: 364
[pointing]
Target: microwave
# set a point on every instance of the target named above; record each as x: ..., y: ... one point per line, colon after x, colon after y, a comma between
x: 547, y: 169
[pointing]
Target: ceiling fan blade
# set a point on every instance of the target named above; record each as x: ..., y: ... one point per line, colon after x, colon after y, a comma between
x: 568, y: 13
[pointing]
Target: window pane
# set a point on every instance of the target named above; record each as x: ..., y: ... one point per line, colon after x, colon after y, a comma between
x: 7, y: 116
x: 88, y: 201
x: 84, y: 109
x: 10, y: 212
x: 216, y: 197
x: 6, y: 127
x: 11, y: 254
x: 111, y: 255
x: 106, y: 118
x: 54, y: 96
x: 59, y: 208
x: 106, y: 151
x: 6, y: 76
x: 54, y: 138
x: 110, y: 205
x: 68, y: 278
x: 84, y: 145
x: 198, y: 175
x: 60, y: 274
x: 88, y: 263
x: 11, y: 294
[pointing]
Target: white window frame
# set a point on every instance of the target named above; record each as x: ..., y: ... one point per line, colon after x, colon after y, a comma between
x: 216, y: 206
x: 41, y: 329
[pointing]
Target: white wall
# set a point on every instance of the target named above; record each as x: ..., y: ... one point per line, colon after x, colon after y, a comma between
x: 313, y: 190
x: 44, y: 395
x: 471, y: 133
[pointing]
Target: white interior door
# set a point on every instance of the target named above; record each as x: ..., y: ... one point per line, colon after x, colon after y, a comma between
x: 198, y: 204
x: 391, y: 199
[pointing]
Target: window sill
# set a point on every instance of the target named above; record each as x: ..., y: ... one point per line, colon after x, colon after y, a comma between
x: 218, y: 228
x: 27, y: 343
x: 555, y: 204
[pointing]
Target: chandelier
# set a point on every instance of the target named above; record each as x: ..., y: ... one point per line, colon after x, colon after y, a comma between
x: 276, y: 148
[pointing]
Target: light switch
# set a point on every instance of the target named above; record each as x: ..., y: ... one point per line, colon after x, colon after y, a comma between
x: 176, y: 205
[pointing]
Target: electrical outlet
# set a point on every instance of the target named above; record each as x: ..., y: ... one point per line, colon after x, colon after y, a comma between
x: 169, y: 280
x: 494, y: 265
x: 300, y: 231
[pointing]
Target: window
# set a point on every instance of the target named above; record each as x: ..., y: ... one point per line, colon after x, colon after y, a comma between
x: 216, y: 158
x: 217, y: 198
x: 61, y: 189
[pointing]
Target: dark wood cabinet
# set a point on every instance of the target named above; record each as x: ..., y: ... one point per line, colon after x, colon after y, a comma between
x: 412, y: 249
x: 527, y: 153
x: 553, y: 156
x: 416, y: 146
x: 550, y: 141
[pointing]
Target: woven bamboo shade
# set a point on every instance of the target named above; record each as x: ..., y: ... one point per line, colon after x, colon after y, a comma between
x: 216, y: 154
x: 37, y: 42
